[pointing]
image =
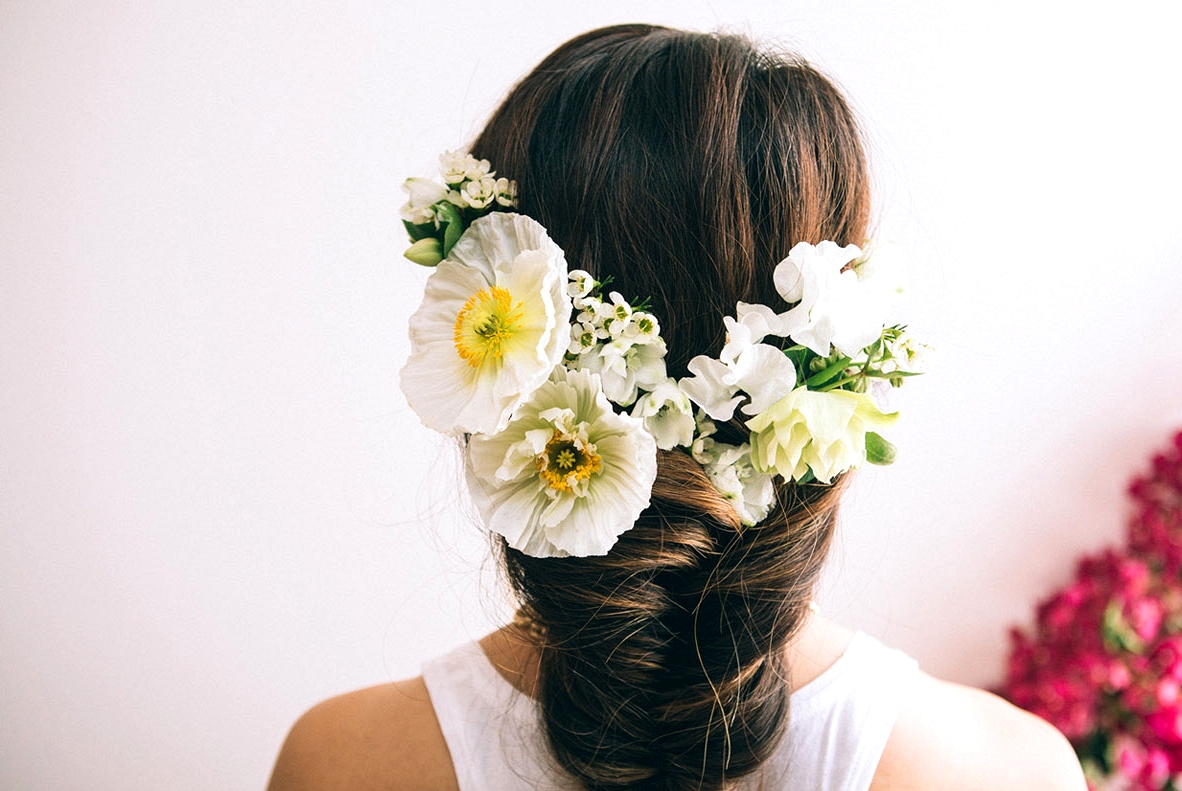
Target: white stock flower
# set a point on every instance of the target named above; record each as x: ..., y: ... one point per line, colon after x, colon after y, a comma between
x: 491, y: 327
x: 809, y: 430
x: 422, y: 195
x: 627, y: 367
x: 480, y: 192
x: 458, y: 167
x: 833, y: 307
x: 750, y: 491
x: 667, y: 414
x: 567, y: 475
x: 908, y: 355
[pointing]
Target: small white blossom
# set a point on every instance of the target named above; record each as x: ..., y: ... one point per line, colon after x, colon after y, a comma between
x: 459, y: 167
x: 626, y: 368
x: 729, y: 468
x: 667, y: 414
x: 479, y: 193
x: 581, y: 283
x: 620, y: 309
x: 583, y: 338
x: 506, y: 192
x: 645, y: 326
x: 908, y: 355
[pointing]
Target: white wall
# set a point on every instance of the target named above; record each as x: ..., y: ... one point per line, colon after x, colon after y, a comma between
x: 215, y: 506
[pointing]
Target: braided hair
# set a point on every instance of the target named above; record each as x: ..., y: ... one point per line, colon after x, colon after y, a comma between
x: 685, y: 166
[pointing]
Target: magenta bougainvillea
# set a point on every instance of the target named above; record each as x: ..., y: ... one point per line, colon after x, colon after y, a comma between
x: 1103, y: 662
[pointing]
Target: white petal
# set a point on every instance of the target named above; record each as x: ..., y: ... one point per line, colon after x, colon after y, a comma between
x: 711, y: 387
x: 766, y: 374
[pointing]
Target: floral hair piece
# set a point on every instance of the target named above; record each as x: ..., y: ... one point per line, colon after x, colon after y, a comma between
x: 562, y: 389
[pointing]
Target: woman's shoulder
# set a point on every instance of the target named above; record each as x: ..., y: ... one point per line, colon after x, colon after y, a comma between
x: 952, y: 736
x: 385, y: 737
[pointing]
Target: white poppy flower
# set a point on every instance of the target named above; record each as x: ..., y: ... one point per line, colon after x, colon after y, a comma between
x: 423, y: 194
x: 567, y: 475
x: 667, y: 414
x: 492, y: 325
x: 809, y: 430
x: 833, y: 308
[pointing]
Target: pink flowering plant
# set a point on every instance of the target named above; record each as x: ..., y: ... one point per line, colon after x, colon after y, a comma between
x: 1103, y: 662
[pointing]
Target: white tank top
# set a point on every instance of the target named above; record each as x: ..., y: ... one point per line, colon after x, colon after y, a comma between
x: 837, y: 729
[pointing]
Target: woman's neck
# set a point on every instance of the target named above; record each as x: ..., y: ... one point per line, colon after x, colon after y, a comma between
x: 819, y: 644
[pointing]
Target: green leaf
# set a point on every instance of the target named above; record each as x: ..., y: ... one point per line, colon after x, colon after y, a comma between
x: 451, y: 222
x: 878, y: 450
x: 827, y: 373
x: 425, y: 252
x: 799, y: 355
x: 417, y: 232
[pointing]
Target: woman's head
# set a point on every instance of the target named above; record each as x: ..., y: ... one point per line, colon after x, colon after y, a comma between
x: 684, y: 166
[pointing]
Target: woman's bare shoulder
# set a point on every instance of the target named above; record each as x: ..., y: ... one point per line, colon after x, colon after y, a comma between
x: 385, y: 737
x: 952, y: 736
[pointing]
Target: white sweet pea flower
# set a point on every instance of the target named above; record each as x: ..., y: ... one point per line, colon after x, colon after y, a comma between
x: 567, y: 475
x: 422, y: 195
x: 458, y: 167
x: 759, y: 370
x: 760, y: 321
x: 479, y: 193
x: 712, y: 387
x: 766, y: 374
x: 833, y: 308
x: 749, y: 491
x: 667, y: 414
x: 809, y: 430
x: 506, y: 192
x: 491, y: 327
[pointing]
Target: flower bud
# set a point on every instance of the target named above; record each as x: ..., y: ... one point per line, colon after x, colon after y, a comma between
x: 425, y: 252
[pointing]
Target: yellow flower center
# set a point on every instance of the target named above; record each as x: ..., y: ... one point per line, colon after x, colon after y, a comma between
x: 566, y: 461
x: 486, y: 323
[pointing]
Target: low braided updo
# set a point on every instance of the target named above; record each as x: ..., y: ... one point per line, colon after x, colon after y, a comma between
x: 685, y: 166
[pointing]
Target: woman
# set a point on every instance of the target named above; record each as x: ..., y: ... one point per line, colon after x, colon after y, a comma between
x: 683, y: 653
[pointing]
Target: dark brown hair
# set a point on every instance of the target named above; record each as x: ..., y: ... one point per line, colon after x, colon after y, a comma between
x: 685, y: 166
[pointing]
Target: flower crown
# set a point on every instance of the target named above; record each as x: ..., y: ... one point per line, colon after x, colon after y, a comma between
x: 562, y: 388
